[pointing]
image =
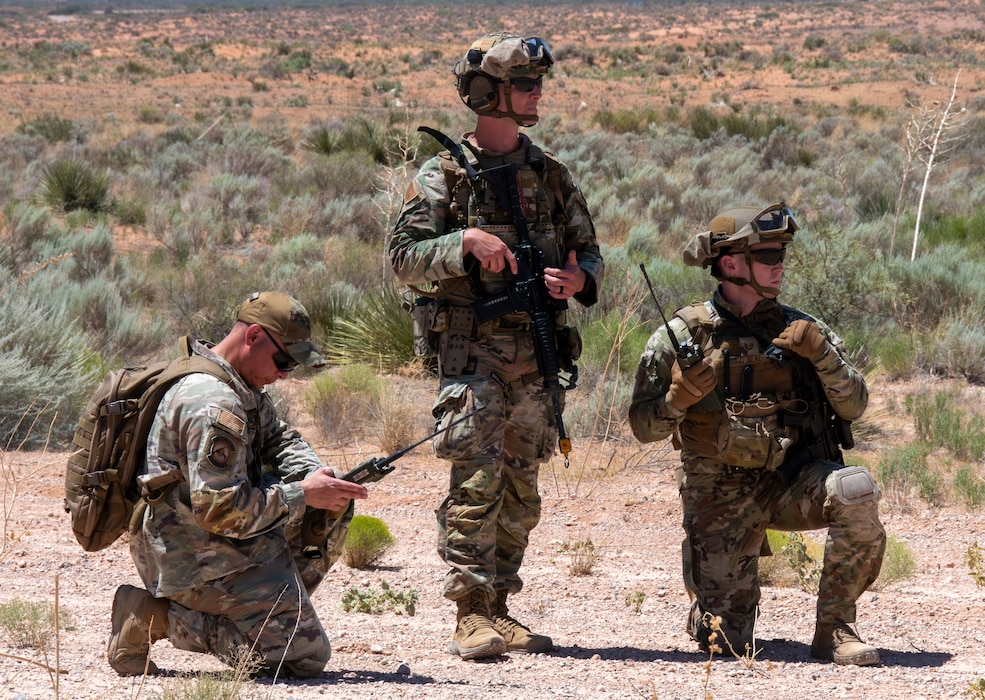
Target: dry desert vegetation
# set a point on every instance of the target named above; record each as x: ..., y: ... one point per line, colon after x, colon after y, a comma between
x: 603, y: 570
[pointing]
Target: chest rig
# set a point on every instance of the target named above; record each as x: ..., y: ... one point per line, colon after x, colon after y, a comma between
x: 751, y: 420
x: 542, y: 201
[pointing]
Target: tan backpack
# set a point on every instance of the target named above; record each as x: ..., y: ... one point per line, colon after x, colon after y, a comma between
x: 101, y: 490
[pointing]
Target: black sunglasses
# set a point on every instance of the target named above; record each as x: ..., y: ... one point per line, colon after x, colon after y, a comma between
x: 527, y: 84
x: 282, y: 359
x: 769, y: 256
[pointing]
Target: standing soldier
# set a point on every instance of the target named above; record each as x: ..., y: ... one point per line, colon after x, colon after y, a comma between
x: 457, y: 234
x: 760, y: 420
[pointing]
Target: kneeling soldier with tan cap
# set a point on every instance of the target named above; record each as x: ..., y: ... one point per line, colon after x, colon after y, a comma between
x: 220, y: 552
x: 760, y: 419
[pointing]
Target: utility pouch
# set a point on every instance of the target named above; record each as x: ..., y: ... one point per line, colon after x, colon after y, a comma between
x: 425, y: 339
x: 456, y: 339
x: 569, y: 348
x: 753, y: 435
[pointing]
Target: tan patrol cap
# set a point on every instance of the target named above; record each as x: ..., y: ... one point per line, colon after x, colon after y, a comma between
x: 285, y: 316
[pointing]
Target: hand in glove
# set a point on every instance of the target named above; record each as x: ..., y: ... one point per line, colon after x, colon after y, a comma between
x: 804, y: 338
x: 689, y: 386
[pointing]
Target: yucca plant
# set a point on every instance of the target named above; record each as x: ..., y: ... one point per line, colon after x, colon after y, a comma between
x: 68, y: 185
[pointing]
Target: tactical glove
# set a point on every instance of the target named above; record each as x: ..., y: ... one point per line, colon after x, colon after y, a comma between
x: 804, y: 338
x: 689, y: 386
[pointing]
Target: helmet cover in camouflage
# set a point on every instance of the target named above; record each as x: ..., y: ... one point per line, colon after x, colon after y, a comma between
x: 504, y: 55
x: 285, y: 316
x: 737, y: 229
x: 496, y: 59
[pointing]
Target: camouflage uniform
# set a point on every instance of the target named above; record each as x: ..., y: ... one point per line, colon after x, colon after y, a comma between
x: 744, y: 468
x: 224, y: 546
x: 493, y: 502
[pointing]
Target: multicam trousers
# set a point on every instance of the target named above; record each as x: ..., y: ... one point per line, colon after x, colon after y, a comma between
x: 726, y: 515
x: 484, y: 523
x: 265, y: 608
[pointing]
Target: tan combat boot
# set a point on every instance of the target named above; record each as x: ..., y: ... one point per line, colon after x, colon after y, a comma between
x: 840, y: 644
x: 475, y: 636
x: 518, y: 636
x: 139, y: 620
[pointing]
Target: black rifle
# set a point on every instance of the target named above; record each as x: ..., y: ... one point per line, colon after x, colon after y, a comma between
x: 527, y: 293
x: 689, y: 354
x: 314, y: 525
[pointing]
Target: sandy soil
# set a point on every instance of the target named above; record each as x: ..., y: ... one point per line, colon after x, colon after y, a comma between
x: 119, y: 69
x: 619, y: 498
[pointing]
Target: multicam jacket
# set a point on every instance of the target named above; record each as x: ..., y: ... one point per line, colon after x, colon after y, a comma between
x: 750, y: 419
x: 240, y: 465
x: 427, y: 242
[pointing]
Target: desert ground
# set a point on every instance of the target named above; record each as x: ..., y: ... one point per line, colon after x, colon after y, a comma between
x: 127, y: 72
x: 620, y: 499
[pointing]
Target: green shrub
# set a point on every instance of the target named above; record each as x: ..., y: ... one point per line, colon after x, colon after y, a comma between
x: 969, y: 486
x: 901, y: 470
x: 30, y: 624
x: 366, y: 542
x: 940, y: 423
x: 342, y: 399
x: 50, y: 127
x: 898, y: 564
x: 371, y: 602
x: 378, y: 333
x: 67, y: 185
x: 975, y: 559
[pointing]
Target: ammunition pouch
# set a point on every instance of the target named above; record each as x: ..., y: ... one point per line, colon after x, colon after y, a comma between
x: 755, y: 433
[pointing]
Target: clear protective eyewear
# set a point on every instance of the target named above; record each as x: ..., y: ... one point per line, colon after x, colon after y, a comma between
x: 776, y: 217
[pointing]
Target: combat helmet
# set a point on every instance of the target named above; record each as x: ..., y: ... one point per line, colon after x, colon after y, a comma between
x: 501, y: 58
x: 736, y: 230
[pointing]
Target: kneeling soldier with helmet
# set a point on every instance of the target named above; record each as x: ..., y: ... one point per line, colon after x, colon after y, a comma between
x: 760, y: 419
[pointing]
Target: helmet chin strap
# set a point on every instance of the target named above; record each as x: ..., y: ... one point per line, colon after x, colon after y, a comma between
x: 521, y: 119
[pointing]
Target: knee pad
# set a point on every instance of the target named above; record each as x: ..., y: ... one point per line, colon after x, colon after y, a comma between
x: 853, y: 485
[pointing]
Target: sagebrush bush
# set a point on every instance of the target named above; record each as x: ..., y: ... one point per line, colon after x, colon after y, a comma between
x: 342, y: 399
x: 366, y: 542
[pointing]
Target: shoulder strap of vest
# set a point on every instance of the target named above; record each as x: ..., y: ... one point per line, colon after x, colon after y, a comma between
x: 698, y: 320
x: 548, y: 169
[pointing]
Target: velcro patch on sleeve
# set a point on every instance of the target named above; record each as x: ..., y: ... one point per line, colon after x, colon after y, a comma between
x: 411, y: 193
x: 231, y: 422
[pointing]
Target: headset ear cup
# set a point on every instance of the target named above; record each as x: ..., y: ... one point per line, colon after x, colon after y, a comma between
x: 483, y: 95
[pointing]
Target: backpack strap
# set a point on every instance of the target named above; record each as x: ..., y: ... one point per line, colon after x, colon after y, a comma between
x: 187, y: 363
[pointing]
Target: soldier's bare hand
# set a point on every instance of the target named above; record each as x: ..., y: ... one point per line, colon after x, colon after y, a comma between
x: 322, y: 489
x: 565, y: 282
x: 804, y: 338
x: 491, y: 251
